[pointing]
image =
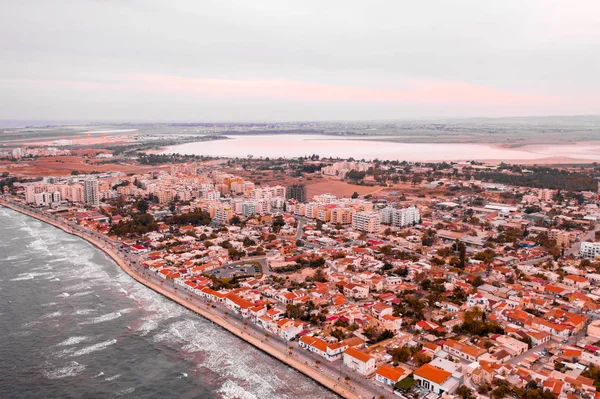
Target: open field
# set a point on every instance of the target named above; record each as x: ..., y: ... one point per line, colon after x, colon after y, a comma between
x: 337, y: 188
x: 64, y: 165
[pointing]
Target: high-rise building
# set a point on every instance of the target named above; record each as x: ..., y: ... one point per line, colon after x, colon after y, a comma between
x: 297, y: 192
x: 90, y: 190
x: 369, y: 222
x: 400, y: 217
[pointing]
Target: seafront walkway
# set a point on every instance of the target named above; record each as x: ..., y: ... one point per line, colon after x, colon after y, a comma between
x: 332, y: 375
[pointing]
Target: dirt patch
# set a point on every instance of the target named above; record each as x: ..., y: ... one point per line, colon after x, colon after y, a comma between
x: 338, y: 188
x: 63, y: 166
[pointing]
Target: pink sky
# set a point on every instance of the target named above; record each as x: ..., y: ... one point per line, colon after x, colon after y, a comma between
x: 414, y: 91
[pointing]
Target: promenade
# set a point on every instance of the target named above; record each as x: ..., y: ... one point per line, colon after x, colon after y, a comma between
x: 333, y: 376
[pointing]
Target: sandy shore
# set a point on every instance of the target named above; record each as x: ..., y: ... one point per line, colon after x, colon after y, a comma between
x: 321, y: 379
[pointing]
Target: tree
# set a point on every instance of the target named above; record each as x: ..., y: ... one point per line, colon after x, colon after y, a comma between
x: 338, y: 334
x: 465, y: 392
x: 354, y: 195
x: 420, y: 358
x: 142, y: 206
x: 401, y: 354
x: 477, y: 281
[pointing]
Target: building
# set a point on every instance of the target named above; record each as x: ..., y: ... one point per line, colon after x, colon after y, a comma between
x: 562, y: 238
x: 433, y: 378
x: 589, y: 250
x: 389, y: 375
x: 341, y: 216
x: 368, y: 222
x: 461, y: 350
x: 545, y: 195
x: 327, y: 350
x: 90, y: 190
x: 400, y: 217
x: 297, y: 192
x: 223, y: 214
x: 359, y: 361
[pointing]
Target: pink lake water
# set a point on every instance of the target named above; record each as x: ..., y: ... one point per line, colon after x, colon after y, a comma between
x: 290, y: 146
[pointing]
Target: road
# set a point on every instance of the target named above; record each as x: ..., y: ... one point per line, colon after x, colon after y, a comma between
x: 362, y: 386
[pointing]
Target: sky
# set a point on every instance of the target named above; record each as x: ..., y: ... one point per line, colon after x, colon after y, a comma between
x: 277, y: 60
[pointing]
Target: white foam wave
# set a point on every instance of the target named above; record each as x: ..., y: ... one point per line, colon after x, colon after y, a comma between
x: 126, y: 391
x: 79, y: 312
x: 24, y: 277
x: 106, y: 317
x: 74, y: 340
x: 51, y: 315
x: 231, y: 390
x: 83, y: 293
x: 63, y: 295
x: 114, y: 377
x: 94, y: 348
x: 100, y: 374
x: 71, y: 369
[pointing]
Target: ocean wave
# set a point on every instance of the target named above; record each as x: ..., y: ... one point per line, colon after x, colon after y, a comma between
x: 124, y: 392
x: 230, y: 390
x: 106, y: 317
x: 63, y: 295
x: 74, y: 340
x: 71, y: 369
x: 114, y: 377
x: 27, y: 276
x: 80, y: 312
x: 51, y: 315
x: 83, y: 293
x: 94, y: 348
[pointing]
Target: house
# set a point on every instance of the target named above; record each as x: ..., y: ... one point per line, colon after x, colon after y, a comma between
x: 356, y: 291
x: 461, y: 350
x: 433, y: 378
x: 328, y: 350
x: 389, y: 375
x: 577, y: 282
x: 138, y: 249
x: 359, y: 361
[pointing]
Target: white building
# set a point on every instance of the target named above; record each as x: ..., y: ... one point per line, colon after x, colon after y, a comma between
x: 400, y: 217
x: 589, y: 250
x: 359, y: 361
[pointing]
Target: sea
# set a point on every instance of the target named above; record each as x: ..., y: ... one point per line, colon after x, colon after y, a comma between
x: 73, y: 325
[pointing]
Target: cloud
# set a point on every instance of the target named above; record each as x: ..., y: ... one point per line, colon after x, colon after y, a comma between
x: 413, y: 91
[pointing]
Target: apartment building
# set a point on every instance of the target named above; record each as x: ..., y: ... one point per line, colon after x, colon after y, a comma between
x: 589, y: 250
x: 368, y: 222
x: 400, y: 217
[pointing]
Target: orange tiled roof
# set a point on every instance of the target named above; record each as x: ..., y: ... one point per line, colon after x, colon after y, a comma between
x: 432, y: 373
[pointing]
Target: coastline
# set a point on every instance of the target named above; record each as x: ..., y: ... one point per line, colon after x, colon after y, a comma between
x: 291, y: 362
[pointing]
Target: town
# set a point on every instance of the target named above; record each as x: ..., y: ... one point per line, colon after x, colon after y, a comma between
x: 453, y: 280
